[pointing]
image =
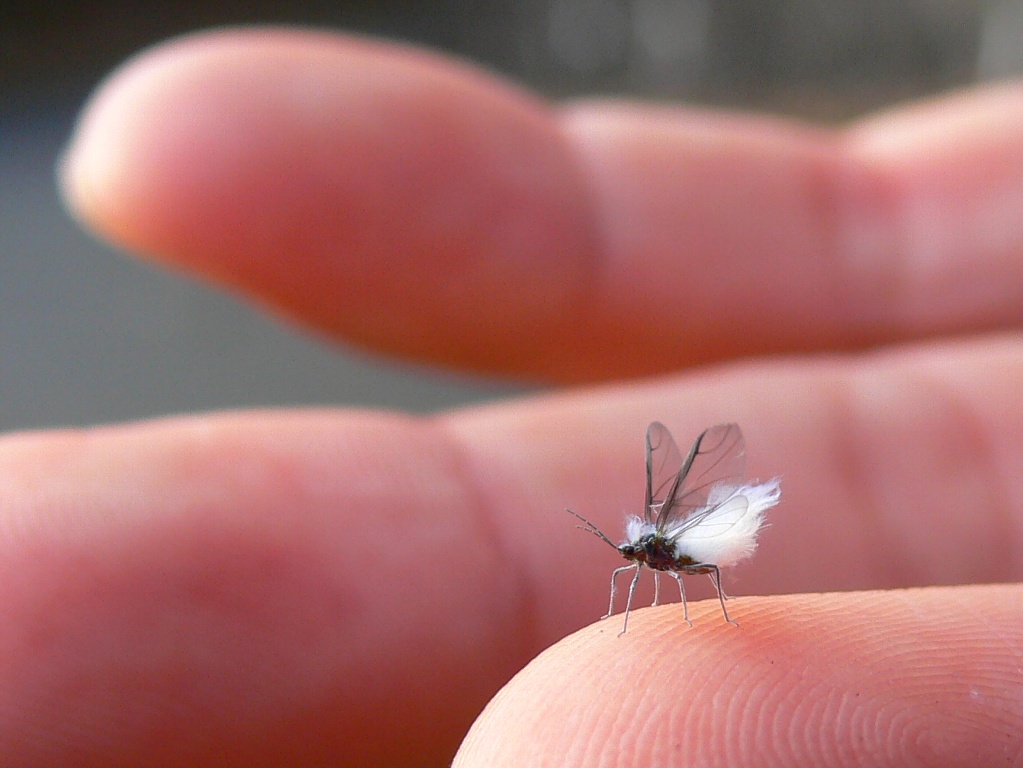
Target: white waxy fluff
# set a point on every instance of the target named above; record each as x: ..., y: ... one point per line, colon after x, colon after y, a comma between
x: 727, y: 533
x: 636, y: 528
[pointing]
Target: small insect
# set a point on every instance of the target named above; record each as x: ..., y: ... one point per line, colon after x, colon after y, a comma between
x: 699, y: 516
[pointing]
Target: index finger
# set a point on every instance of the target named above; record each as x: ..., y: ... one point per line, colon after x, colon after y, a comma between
x: 916, y: 677
x: 304, y: 587
x: 409, y: 204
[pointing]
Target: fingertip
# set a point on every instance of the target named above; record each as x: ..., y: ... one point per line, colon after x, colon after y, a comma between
x: 115, y: 170
x: 575, y: 703
x: 926, y: 676
x: 393, y: 196
x: 88, y: 169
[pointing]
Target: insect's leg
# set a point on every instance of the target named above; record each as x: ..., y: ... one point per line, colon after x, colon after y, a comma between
x: 682, y: 591
x: 721, y: 592
x: 628, y: 602
x: 716, y: 578
x: 657, y: 587
x: 614, y: 587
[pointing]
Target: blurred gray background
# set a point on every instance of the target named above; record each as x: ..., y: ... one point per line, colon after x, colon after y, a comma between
x: 88, y: 335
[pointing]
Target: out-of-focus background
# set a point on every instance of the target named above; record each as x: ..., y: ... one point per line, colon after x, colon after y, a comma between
x: 87, y: 335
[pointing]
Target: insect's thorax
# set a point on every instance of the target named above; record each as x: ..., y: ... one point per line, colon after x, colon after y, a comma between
x: 656, y: 552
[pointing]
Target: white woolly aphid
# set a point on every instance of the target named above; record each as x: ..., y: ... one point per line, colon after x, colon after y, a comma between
x: 699, y: 516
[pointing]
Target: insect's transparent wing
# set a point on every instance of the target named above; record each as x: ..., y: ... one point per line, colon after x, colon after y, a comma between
x: 718, y: 457
x: 711, y: 521
x: 663, y: 464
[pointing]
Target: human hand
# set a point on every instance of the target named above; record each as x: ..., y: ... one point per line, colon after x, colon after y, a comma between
x: 328, y: 586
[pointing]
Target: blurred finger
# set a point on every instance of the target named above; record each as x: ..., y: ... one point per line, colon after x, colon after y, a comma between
x: 314, y: 586
x: 897, y: 469
x: 413, y: 205
x: 253, y: 589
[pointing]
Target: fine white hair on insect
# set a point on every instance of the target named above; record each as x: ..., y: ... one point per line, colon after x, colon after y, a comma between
x: 699, y: 514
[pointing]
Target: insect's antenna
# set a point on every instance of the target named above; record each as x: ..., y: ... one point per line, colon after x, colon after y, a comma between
x: 591, y: 528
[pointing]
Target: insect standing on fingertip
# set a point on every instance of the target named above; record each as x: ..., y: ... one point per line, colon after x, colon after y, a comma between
x: 700, y: 515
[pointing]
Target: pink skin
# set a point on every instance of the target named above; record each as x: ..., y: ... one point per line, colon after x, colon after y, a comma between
x: 297, y: 587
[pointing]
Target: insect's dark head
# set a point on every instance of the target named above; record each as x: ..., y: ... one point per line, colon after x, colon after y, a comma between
x: 632, y: 550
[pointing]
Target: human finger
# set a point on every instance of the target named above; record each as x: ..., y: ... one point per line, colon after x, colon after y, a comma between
x: 908, y: 677
x: 412, y: 205
x: 898, y: 468
x: 298, y: 587
x: 247, y: 589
